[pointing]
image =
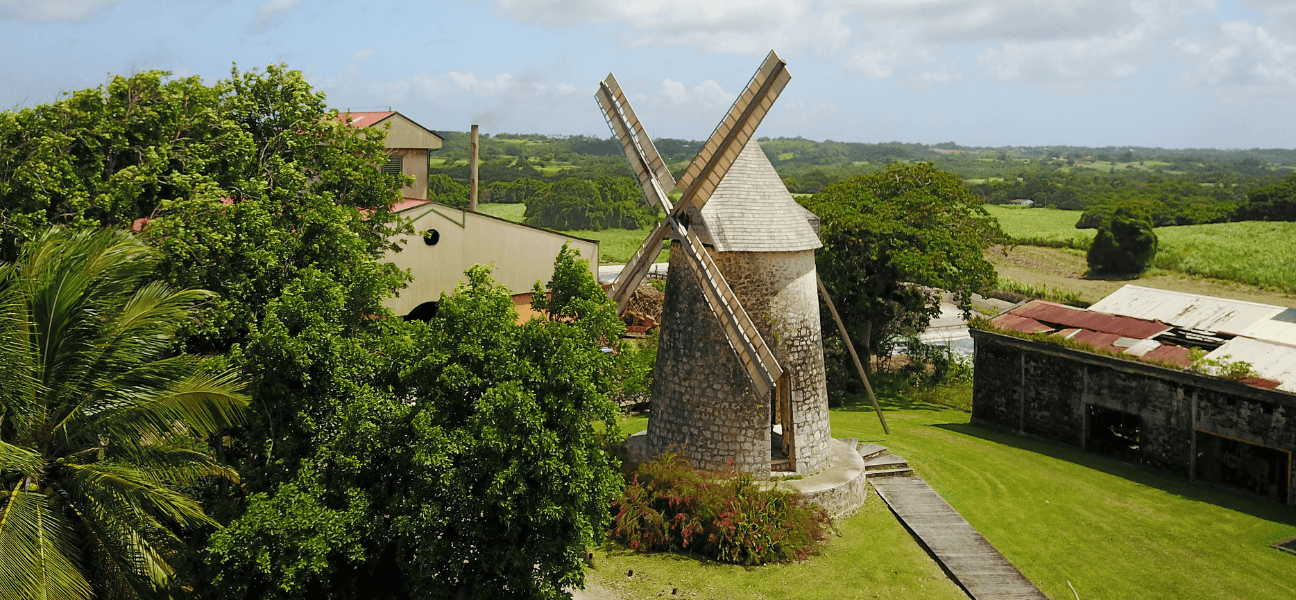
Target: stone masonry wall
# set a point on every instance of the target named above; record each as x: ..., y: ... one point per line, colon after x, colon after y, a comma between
x: 779, y: 293
x: 1042, y: 390
x: 702, y: 400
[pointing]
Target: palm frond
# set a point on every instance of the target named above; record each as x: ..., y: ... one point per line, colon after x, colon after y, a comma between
x: 125, y: 489
x: 203, y: 404
x: 19, y: 459
x: 123, y: 563
x: 37, y: 556
x: 181, y: 466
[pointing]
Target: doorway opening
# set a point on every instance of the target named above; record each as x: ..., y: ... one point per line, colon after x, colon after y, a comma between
x: 1248, y: 467
x: 1114, y: 433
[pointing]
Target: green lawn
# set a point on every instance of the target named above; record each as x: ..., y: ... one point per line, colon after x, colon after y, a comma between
x: 512, y: 212
x: 1058, y: 514
x: 616, y: 246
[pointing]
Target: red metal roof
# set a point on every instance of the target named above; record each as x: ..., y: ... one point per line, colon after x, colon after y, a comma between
x: 1048, y: 312
x: 364, y: 119
x: 1098, y: 339
x: 1171, y: 354
x: 1022, y: 324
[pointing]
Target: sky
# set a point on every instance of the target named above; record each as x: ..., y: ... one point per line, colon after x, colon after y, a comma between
x: 1157, y: 73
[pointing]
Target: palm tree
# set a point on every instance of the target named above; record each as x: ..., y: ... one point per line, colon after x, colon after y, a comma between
x: 101, y: 422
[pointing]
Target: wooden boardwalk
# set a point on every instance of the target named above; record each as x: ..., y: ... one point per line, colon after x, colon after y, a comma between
x: 974, y: 564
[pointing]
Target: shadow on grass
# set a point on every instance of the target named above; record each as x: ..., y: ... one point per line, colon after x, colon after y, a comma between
x: 890, y: 389
x: 1171, y: 484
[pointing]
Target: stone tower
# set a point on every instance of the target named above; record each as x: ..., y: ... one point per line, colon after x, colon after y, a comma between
x: 703, y: 401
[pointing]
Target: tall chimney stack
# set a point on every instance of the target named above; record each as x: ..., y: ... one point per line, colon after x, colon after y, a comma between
x: 472, y: 172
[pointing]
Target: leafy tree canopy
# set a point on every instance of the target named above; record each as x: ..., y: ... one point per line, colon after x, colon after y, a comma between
x: 575, y: 203
x: 454, y: 458
x: 887, y: 235
x: 1125, y: 242
x: 247, y: 181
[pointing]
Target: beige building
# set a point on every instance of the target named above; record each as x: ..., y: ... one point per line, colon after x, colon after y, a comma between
x: 408, y: 145
x: 447, y: 241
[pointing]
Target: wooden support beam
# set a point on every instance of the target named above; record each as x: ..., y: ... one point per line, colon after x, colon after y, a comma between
x: 823, y: 291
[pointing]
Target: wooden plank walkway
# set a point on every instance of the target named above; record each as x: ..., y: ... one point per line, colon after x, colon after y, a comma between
x: 975, y: 565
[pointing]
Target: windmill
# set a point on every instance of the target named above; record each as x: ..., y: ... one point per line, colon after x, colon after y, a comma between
x: 754, y: 405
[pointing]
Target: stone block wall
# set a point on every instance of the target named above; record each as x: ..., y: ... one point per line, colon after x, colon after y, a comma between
x: 702, y: 399
x: 1042, y: 390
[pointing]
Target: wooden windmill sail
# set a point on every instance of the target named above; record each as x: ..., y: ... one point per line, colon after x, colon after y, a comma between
x: 697, y: 184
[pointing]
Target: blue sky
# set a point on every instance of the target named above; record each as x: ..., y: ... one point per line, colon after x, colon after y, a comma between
x: 1168, y: 73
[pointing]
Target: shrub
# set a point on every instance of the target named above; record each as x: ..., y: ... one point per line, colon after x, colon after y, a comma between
x: 1125, y: 243
x: 669, y: 506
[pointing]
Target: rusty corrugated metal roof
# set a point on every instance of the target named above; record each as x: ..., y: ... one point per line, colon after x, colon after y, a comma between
x: 1172, y: 354
x: 1189, y: 311
x: 1013, y: 322
x: 1049, y: 312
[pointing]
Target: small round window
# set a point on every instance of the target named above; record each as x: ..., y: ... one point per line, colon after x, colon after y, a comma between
x: 431, y: 237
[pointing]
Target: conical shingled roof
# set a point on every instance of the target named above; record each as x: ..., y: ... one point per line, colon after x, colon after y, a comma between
x: 752, y: 211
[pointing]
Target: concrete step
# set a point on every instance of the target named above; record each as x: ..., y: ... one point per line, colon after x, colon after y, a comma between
x: 885, y: 461
x: 890, y: 472
x: 853, y: 443
x: 868, y: 451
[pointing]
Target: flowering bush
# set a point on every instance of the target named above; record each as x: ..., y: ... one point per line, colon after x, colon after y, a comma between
x: 668, y: 505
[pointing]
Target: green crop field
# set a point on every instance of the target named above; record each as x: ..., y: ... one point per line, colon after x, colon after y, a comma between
x: 1059, y: 514
x: 1259, y: 253
x: 1041, y: 226
x: 1262, y: 254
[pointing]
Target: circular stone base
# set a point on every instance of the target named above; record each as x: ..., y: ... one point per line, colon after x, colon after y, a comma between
x: 839, y: 489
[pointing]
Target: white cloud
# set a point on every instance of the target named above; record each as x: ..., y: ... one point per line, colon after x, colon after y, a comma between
x: 271, y: 10
x: 1241, y: 63
x: 939, y: 76
x: 1063, y: 45
x: 44, y: 11
x: 705, y: 94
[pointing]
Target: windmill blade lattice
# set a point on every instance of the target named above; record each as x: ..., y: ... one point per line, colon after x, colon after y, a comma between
x: 699, y: 182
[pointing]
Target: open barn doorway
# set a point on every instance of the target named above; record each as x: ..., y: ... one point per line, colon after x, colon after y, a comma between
x: 1114, y: 433
x: 1242, y: 465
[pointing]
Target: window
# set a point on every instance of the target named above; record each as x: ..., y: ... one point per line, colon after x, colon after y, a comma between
x: 394, y: 165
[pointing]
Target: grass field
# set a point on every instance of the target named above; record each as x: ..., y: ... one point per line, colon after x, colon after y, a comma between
x: 1041, y: 226
x: 1261, y: 254
x: 616, y: 246
x: 1058, y: 514
x: 1255, y: 252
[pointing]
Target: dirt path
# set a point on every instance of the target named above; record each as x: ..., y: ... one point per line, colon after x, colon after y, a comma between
x: 1060, y: 268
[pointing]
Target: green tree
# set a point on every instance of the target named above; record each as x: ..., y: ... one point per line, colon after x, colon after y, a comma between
x: 447, y: 191
x: 1276, y: 202
x: 454, y: 458
x: 246, y: 181
x: 100, y: 423
x: 575, y: 203
x: 890, y: 237
x: 1125, y: 242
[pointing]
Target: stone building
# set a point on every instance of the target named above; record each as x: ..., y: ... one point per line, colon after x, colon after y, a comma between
x: 703, y: 404
x: 1138, y: 407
